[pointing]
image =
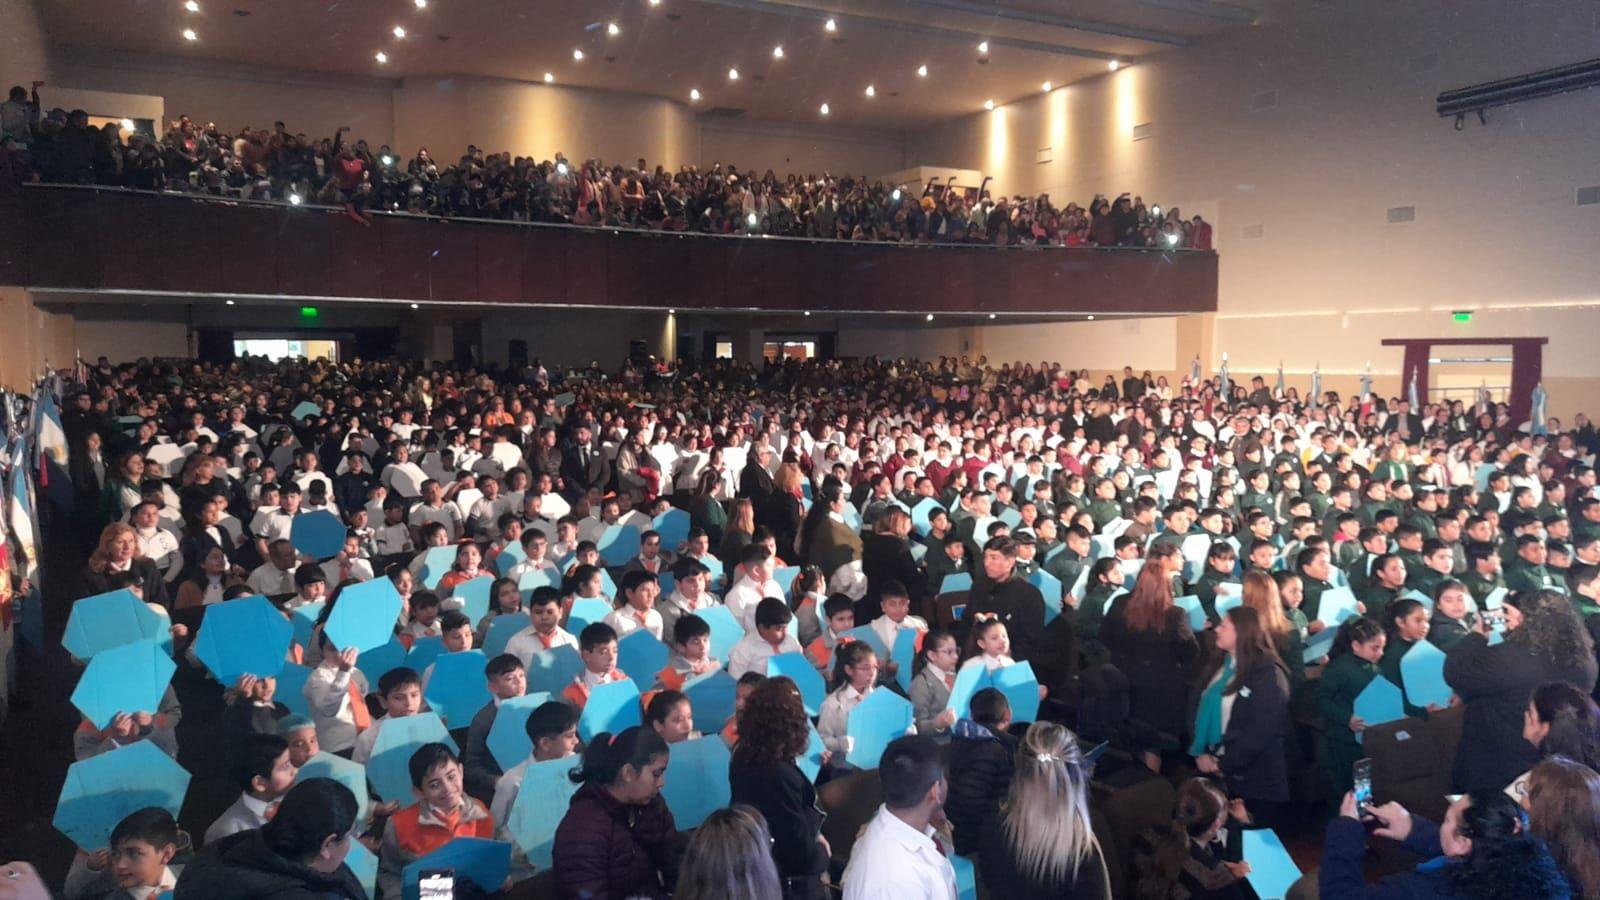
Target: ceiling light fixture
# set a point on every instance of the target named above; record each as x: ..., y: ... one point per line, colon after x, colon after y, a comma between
x: 824, y: 109
x: 733, y: 74
x: 192, y: 6
x: 294, y: 199
x: 983, y: 46
x: 127, y: 124
x: 694, y: 95
x: 922, y: 71
x: 549, y: 78
x: 400, y: 32
x: 381, y: 57
x: 230, y: 302
x: 655, y: 2
x: 930, y: 317
x: 1091, y: 318
x: 613, y: 29
x: 991, y: 315
x: 577, y: 55
x: 808, y: 313
x: 1047, y: 85
x: 1115, y: 64
x: 830, y: 26
x: 189, y: 35
x: 872, y: 91
x: 421, y: 4
x: 777, y: 52
x: 988, y: 104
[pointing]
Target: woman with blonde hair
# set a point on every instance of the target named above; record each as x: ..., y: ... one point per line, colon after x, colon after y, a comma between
x: 1041, y: 843
x: 737, y: 533
x: 728, y: 859
x: 118, y: 552
x: 1261, y: 594
x: 1564, y: 811
x: 781, y: 513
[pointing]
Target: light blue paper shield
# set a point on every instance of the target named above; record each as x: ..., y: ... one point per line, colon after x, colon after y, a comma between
x: 501, y: 630
x: 610, y: 708
x: 725, y: 629
x: 483, y: 862
x: 714, y: 567
x: 866, y: 635
x: 712, y: 697
x: 956, y: 581
x: 618, y: 544
x: 969, y: 681
x: 305, y: 409
x: 904, y: 655
x: 508, y: 558
x: 696, y: 780
x: 810, y: 762
x: 1190, y: 604
x: 541, y: 803
x: 877, y: 720
x: 458, y: 689
x: 1495, y: 598
x: 585, y: 612
x: 922, y: 512
x: 1050, y: 587
x: 303, y: 622
x: 508, y: 736
x: 673, y: 526
x: 641, y: 656
x: 785, y: 577
x: 1379, y: 702
x: 352, y: 775
x: 552, y: 670
x: 1422, y: 670
x: 436, y: 563
x: 365, y: 615
x: 1272, y: 869
x: 1336, y: 605
x: 291, y: 689
x: 795, y: 666
x: 474, y: 596
x: 424, y: 651
x: 364, y: 865
x: 389, y: 768
x: 1226, y: 602
x: 1317, y: 645
x: 1011, y: 517
x: 102, y: 790
x: 317, y: 534
x: 379, y: 660
x: 527, y: 582
x: 1021, y: 688
x: 1420, y: 597
x: 110, y: 620
x: 607, y: 586
x: 247, y: 636
x: 126, y: 679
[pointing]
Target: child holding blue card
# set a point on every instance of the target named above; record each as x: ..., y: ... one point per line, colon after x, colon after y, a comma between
x: 1407, y: 623
x: 507, y: 679
x: 552, y: 730
x: 263, y: 772
x: 444, y: 813
x: 670, y: 714
x: 981, y: 765
x: 930, y: 686
x: 468, y: 565
x: 544, y: 630
x: 839, y: 615
x: 597, y: 644
x: 400, y: 692
x: 583, y: 583
x: 896, y: 618
x: 1104, y: 579
x: 855, y: 675
x: 425, y: 609
x: 691, y: 642
x: 640, y: 589
x: 769, y: 638
x: 160, y: 727
x: 992, y: 643
x: 336, y: 692
x: 137, y: 864
x: 504, y: 600
x: 1352, y: 664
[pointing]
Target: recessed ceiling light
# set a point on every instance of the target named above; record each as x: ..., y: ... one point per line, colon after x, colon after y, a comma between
x: 930, y: 317
x: 824, y: 109
x: 808, y: 313
x: 1091, y: 318
x: 230, y: 302
x: 1115, y: 64
x: 381, y: 57
x: 672, y: 312
x: 830, y: 25
x: 733, y: 74
x: 189, y: 35
x: 922, y: 71
x: 192, y: 6
x: 655, y: 2
x: 777, y: 52
x: 549, y: 78
x: 400, y: 32
x: 872, y: 91
x: 613, y: 29
x: 694, y: 94
x: 988, y: 104
x: 983, y: 46
x: 577, y: 55
x: 1046, y: 86
x: 421, y: 4
x: 991, y: 315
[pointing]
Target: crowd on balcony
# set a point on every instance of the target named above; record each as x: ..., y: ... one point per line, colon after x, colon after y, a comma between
x: 261, y: 164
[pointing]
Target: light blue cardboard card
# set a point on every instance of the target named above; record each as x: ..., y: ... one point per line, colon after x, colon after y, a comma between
x: 1335, y: 606
x: 585, y: 612
x: 904, y: 655
x: 877, y: 720
x: 1495, y: 598
x: 1021, y: 688
x: 1379, y: 702
x: 317, y: 534
x: 1272, y: 869
x: 352, y: 775
x: 922, y: 512
x: 618, y: 544
x: 810, y: 762
x: 673, y: 526
x: 303, y: 621
x: 365, y: 615
x: 111, y: 619
x: 436, y: 563
x: 389, y: 768
x: 126, y: 679
x: 865, y: 634
x: 1050, y: 587
x: 305, y: 409
x: 1190, y: 604
x: 1226, y: 602
x: 457, y: 689
x: 966, y: 877
x: 1011, y: 517
x: 363, y: 864
x: 969, y: 681
x: 424, y: 651
x: 552, y: 670
x: 785, y: 577
x: 378, y: 661
x: 541, y: 803
x: 795, y: 666
x: 955, y: 582
x: 509, y: 558
x: 610, y: 708
x: 641, y: 656
x: 483, y: 862
x: 501, y: 630
x: 508, y: 736
x: 1420, y: 597
x: 247, y: 636
x: 725, y: 629
x: 696, y: 781
x: 291, y: 689
x: 712, y: 697
x: 474, y: 596
x: 101, y: 791
x: 1422, y: 670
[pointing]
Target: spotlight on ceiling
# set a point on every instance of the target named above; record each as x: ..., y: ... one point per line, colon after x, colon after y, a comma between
x: 830, y: 26
x: 988, y: 104
x: 549, y: 78
x: 577, y: 55
x: 922, y: 71
x: 694, y: 95
x: 613, y: 29
x: 189, y: 35
x: 983, y: 46
x: 1046, y: 87
x: 824, y: 109
x: 400, y: 32
x: 192, y: 6
x: 777, y: 52
x: 733, y: 74
x: 1114, y: 65
x: 421, y: 4
x: 871, y: 91
x: 381, y: 57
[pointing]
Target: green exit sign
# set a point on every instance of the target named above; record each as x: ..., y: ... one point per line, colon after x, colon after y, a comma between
x: 1462, y: 315
x: 310, y: 312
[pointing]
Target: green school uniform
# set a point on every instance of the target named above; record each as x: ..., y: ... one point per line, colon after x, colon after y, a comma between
x: 1343, y: 679
x: 1389, y: 667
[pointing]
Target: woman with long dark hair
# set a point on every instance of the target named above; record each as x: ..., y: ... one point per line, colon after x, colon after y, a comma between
x: 618, y: 838
x: 300, y: 853
x: 1243, y: 715
x: 1564, y: 811
x: 772, y: 734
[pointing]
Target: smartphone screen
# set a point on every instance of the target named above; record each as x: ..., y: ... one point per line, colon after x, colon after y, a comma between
x: 437, y: 884
x: 1362, y: 776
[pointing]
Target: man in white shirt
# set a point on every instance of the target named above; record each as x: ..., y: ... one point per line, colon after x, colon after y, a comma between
x: 899, y: 855
x: 275, y: 577
x: 156, y: 543
x: 276, y: 524
x: 434, y: 509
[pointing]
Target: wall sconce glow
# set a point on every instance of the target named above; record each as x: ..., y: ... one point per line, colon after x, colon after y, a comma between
x: 922, y: 71
x: 192, y: 6
x: 613, y: 29
x: 1115, y: 64
x: 991, y: 315
x: 381, y: 57
x: 414, y: 306
x: 189, y: 35
x: 1046, y: 86
x: 400, y: 32
x: 808, y: 313
x: 295, y: 199
x: 930, y: 317
x: 830, y: 26
x: 733, y: 74
x: 549, y: 78
x: 824, y: 109
x: 983, y: 46
x: 988, y: 104
x: 777, y: 52
x: 694, y: 95
x: 872, y: 91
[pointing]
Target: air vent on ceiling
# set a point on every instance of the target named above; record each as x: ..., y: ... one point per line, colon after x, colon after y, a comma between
x: 1400, y: 215
x: 722, y: 112
x: 1264, y: 101
x: 1252, y: 232
x: 1426, y: 62
x: 1589, y: 196
x: 1142, y: 132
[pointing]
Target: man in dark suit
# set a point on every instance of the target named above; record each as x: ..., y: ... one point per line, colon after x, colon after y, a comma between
x: 583, y: 466
x: 1404, y: 421
x: 755, y: 482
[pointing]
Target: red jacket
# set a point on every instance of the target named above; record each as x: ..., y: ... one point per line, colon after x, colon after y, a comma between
x: 607, y: 850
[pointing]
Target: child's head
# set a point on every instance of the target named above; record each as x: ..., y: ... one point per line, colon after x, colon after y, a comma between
x: 631, y: 764
x: 1202, y: 808
x: 1220, y: 558
x: 640, y: 589
x: 553, y: 730
x: 597, y: 643
x: 896, y: 601
x: 456, y: 629
x: 544, y: 609
x: 670, y: 715
x: 772, y: 620
x: 1407, y: 620
x: 436, y: 777
x: 142, y: 845
x: 468, y: 556
x: 534, y: 543
x: 1360, y: 637
x: 690, y: 577
x: 692, y: 636
x: 748, y: 682
x: 1262, y: 554
x: 400, y: 691
x: 301, y: 734
x: 757, y: 562
x: 1450, y: 599
x: 990, y: 708
x: 263, y: 769
x: 1105, y: 571
x: 939, y: 648
x: 587, y: 554
x: 840, y: 612
x: 586, y: 581
x: 310, y: 582
x: 991, y: 637
x: 435, y: 534
x: 507, y: 678
x: 856, y: 664
x: 504, y: 598
x: 424, y: 608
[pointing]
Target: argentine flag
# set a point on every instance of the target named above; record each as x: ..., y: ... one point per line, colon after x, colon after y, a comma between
x: 50, y: 447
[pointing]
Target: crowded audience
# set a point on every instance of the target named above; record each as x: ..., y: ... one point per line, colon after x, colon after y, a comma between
x: 907, y: 628
x: 258, y: 163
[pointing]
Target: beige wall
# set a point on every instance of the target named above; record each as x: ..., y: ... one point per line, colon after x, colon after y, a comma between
x: 802, y: 150
x: 124, y: 339
x: 1111, y: 344
x: 34, y: 339
x: 561, y: 337
x: 24, y: 50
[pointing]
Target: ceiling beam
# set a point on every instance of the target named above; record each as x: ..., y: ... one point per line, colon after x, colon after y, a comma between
x: 1055, y: 21
x: 800, y: 11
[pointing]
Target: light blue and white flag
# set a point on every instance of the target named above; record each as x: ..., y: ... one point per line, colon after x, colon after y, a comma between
x: 1537, y: 416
